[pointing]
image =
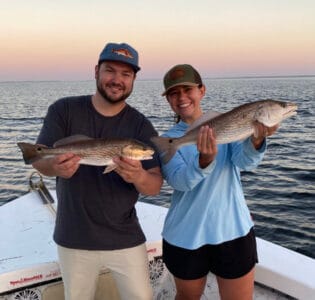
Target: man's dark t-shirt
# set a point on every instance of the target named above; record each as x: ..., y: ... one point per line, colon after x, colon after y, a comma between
x: 95, y: 210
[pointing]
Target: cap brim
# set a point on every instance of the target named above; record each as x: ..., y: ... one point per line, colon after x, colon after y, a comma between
x: 134, y: 67
x: 178, y: 84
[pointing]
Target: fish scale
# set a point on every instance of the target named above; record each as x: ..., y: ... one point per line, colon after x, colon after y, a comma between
x: 234, y: 125
x: 95, y: 152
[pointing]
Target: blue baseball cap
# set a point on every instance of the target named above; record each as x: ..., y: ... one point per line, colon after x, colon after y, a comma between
x: 120, y: 52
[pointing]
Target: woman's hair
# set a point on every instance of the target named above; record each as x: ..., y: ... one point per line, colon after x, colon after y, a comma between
x: 176, y: 118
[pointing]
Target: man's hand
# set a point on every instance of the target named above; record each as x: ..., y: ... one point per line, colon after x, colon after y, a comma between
x: 130, y: 170
x: 147, y: 182
x: 63, y: 165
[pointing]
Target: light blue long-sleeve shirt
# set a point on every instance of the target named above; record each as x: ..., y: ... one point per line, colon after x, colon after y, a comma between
x: 208, y: 205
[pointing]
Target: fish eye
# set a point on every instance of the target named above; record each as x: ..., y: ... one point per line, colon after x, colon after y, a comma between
x: 39, y: 149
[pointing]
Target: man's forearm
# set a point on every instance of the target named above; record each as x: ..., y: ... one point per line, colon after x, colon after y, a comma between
x: 149, y: 182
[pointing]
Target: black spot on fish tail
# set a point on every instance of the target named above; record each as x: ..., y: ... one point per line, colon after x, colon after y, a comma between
x: 166, y: 147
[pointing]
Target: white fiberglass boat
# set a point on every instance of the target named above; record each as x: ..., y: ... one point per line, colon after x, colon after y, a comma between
x: 29, y: 266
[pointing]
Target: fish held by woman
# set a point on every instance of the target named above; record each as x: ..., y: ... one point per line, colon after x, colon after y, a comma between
x: 234, y: 125
x: 95, y: 152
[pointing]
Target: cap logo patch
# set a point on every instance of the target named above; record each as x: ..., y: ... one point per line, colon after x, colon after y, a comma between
x: 123, y: 52
x: 176, y: 74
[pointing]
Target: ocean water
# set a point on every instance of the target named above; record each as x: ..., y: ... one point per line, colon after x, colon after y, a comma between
x: 280, y: 192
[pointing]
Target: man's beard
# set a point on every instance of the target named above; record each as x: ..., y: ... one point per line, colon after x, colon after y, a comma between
x: 111, y: 99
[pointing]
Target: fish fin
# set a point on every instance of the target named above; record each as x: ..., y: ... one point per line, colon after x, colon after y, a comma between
x: 109, y: 168
x: 206, y: 117
x: 166, y: 146
x: 71, y: 139
x: 30, y: 153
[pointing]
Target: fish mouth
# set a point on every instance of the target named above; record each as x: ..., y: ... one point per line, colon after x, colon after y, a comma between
x: 291, y: 110
x: 141, y: 154
x: 149, y: 153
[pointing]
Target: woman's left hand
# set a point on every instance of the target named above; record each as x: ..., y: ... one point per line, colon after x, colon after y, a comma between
x: 261, y: 132
x: 207, y: 146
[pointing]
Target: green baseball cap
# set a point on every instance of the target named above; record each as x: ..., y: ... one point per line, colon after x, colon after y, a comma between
x: 181, y: 75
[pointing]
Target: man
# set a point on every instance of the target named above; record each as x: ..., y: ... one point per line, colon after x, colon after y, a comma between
x: 96, y: 224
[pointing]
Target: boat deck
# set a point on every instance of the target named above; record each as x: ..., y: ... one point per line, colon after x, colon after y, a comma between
x: 29, y: 257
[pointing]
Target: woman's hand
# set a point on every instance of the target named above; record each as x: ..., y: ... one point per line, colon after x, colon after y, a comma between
x: 261, y: 132
x: 206, y: 146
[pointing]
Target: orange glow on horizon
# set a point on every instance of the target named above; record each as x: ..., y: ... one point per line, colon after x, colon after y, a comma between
x: 60, y: 40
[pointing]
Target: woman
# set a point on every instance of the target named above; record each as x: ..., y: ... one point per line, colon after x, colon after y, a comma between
x: 208, y: 226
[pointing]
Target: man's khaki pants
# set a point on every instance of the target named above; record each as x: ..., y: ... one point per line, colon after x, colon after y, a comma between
x: 80, y: 270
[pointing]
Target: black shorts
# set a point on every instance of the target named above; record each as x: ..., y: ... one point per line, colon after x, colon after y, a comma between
x: 229, y: 260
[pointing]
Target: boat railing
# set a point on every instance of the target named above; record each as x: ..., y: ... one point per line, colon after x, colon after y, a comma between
x: 37, y: 184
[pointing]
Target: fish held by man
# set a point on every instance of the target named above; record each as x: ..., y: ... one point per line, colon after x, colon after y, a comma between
x: 94, y: 152
x: 234, y: 125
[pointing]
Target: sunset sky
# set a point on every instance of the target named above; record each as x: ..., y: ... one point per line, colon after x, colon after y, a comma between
x: 62, y: 39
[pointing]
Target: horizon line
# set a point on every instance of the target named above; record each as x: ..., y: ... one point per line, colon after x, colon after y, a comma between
x: 155, y: 79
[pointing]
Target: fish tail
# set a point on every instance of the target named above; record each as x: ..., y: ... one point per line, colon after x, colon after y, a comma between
x: 166, y: 146
x: 29, y: 152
